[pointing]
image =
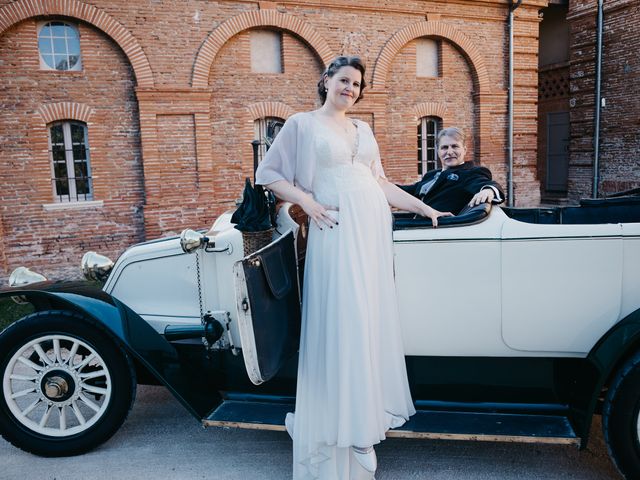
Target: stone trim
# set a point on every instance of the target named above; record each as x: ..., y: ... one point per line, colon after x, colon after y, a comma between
x: 431, y: 29
x: 270, y: 109
x: 65, y: 111
x: 73, y: 205
x: 16, y: 12
x: 261, y: 18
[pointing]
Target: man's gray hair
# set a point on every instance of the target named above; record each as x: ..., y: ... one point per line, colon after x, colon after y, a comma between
x: 453, y: 132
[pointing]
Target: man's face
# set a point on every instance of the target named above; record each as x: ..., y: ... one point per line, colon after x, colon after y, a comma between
x: 451, y: 152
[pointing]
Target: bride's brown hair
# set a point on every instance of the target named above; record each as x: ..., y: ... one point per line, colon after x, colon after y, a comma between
x: 334, y: 66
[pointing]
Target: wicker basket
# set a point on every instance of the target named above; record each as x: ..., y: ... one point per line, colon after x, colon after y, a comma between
x: 253, y: 241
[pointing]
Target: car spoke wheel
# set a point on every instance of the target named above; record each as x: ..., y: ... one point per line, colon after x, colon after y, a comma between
x: 66, y: 385
x: 621, y: 419
x: 57, y: 385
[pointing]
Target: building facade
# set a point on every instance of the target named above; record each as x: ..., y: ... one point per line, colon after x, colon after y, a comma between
x: 567, y: 100
x: 123, y: 121
x: 619, y: 159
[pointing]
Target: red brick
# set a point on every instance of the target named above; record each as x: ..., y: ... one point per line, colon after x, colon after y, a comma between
x: 170, y: 101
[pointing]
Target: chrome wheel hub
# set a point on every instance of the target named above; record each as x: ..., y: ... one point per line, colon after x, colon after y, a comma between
x: 57, y: 386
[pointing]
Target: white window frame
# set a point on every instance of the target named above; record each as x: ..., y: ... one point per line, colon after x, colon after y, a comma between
x: 428, y: 156
x: 43, y: 64
x: 72, y: 196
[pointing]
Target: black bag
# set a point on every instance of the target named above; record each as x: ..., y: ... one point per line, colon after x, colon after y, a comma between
x: 257, y: 210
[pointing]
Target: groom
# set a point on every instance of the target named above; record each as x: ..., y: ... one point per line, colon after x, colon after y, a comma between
x: 457, y: 184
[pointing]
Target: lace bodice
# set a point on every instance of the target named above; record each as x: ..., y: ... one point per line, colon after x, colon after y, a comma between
x: 309, y: 154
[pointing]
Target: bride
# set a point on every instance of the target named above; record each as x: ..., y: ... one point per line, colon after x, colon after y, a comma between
x: 352, y: 381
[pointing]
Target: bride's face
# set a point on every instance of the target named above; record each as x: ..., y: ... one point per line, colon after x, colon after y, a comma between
x: 343, y: 89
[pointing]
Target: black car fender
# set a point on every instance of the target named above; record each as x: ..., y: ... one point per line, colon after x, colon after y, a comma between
x: 606, y: 357
x: 131, y: 332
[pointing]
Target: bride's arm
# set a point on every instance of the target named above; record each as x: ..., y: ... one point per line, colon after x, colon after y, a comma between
x: 289, y: 193
x: 400, y: 199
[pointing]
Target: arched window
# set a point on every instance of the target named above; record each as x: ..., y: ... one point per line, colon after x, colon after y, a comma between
x: 266, y: 130
x: 428, y: 128
x: 70, y: 165
x: 59, y: 46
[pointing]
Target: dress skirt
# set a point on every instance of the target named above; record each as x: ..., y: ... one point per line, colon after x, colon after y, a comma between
x: 352, y: 380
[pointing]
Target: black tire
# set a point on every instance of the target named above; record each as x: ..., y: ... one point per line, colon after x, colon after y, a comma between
x: 620, y: 419
x: 89, y: 403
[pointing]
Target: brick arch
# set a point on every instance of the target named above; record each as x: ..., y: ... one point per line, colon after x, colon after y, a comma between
x: 253, y: 19
x: 270, y: 109
x: 65, y: 111
x: 431, y: 29
x: 429, y: 109
x: 23, y: 9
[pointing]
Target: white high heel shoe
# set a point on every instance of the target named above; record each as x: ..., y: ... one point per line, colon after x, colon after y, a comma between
x: 288, y: 424
x: 366, y: 457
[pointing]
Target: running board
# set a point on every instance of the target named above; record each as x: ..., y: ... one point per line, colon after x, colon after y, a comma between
x: 429, y: 424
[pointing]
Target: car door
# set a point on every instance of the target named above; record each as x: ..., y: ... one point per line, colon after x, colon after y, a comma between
x: 448, y: 286
x: 268, y: 303
x: 561, y: 285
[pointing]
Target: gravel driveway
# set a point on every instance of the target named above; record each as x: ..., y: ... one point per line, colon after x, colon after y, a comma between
x: 160, y: 440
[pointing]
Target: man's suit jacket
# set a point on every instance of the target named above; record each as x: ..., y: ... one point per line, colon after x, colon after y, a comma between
x: 454, y: 188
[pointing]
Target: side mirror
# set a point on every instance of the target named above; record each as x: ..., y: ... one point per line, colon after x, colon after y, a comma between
x: 95, y: 266
x: 190, y: 240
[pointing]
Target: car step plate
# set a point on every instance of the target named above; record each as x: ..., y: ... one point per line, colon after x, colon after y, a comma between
x: 491, y: 427
x: 430, y: 424
x: 254, y: 415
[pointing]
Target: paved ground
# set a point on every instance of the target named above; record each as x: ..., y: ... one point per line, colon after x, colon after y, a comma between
x: 160, y: 440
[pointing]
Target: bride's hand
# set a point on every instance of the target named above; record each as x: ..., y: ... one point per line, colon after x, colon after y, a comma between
x: 317, y: 212
x: 433, y: 214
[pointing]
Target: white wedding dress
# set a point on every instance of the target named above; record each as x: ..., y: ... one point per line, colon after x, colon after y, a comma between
x: 352, y: 380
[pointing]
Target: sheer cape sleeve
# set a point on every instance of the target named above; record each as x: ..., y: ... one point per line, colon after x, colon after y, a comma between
x: 290, y: 156
x: 375, y: 163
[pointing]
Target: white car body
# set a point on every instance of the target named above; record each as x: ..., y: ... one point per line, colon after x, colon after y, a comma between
x: 500, y: 287
x: 513, y: 331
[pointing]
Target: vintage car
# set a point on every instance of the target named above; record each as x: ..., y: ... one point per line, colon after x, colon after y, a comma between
x: 518, y: 325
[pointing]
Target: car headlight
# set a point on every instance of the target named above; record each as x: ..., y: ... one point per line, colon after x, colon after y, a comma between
x: 95, y: 266
x: 190, y: 240
x: 23, y: 276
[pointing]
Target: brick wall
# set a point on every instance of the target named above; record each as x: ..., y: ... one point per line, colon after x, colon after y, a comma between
x: 453, y: 90
x: 234, y: 88
x: 53, y: 240
x: 170, y: 103
x: 620, y: 118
